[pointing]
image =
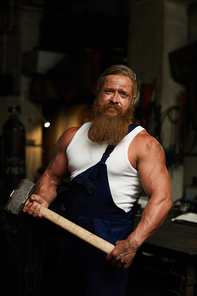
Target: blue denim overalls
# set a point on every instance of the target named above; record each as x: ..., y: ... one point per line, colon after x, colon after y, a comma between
x: 83, y: 269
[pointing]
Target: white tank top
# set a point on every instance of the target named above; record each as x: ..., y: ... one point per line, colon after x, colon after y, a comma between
x: 123, y: 178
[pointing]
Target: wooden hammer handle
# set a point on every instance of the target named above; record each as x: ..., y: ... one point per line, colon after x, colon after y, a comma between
x: 78, y: 231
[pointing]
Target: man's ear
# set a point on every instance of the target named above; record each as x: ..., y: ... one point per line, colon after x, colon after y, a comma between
x: 133, y: 100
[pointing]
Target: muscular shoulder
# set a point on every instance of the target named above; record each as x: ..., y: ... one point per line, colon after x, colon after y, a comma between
x: 148, y: 144
x: 144, y: 146
x: 67, y: 137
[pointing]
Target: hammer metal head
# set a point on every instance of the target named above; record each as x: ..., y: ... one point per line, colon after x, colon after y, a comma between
x: 19, y: 197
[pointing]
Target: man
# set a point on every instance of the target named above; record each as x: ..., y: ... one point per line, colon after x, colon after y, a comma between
x: 104, y: 187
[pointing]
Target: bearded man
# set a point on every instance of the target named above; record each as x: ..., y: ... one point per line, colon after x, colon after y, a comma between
x: 105, y: 184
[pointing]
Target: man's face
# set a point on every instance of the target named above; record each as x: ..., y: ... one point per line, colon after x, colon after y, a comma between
x: 112, y: 110
x: 117, y: 92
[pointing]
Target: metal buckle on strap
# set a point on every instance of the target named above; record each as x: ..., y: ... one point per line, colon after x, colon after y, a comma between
x: 90, y: 187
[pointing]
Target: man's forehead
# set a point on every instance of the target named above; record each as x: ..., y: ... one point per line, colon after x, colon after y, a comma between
x: 118, y: 81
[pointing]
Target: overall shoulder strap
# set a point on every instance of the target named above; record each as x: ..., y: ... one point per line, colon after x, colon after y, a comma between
x: 131, y: 127
x: 107, y: 153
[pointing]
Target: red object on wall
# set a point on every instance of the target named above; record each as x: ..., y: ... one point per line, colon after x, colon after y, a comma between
x: 147, y: 95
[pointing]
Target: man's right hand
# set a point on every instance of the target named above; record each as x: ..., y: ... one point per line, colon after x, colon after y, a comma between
x: 33, y: 208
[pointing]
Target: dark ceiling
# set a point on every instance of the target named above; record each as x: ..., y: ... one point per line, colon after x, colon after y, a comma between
x: 69, y: 26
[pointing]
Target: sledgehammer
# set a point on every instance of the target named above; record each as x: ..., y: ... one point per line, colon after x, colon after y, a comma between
x: 20, y: 196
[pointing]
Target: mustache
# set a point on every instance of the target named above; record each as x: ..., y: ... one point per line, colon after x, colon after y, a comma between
x: 110, y: 105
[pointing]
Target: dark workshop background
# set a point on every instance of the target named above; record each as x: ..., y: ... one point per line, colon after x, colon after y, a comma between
x: 51, y: 55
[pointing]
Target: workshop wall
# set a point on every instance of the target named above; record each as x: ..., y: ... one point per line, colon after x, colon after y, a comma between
x: 156, y: 29
x: 190, y: 161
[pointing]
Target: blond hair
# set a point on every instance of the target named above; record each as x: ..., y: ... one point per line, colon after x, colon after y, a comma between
x: 121, y: 70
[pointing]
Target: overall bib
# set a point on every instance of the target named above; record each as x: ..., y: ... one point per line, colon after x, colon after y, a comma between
x: 83, y: 269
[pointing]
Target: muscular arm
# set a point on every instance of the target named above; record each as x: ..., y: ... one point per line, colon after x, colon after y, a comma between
x: 155, y: 181
x: 150, y: 162
x: 46, y: 186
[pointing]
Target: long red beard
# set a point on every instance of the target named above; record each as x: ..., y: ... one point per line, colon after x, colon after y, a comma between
x: 110, y: 129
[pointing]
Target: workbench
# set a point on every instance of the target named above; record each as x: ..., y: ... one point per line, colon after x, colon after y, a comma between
x: 176, y: 245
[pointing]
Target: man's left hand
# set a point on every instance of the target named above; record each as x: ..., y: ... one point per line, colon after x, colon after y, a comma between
x: 123, y: 254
